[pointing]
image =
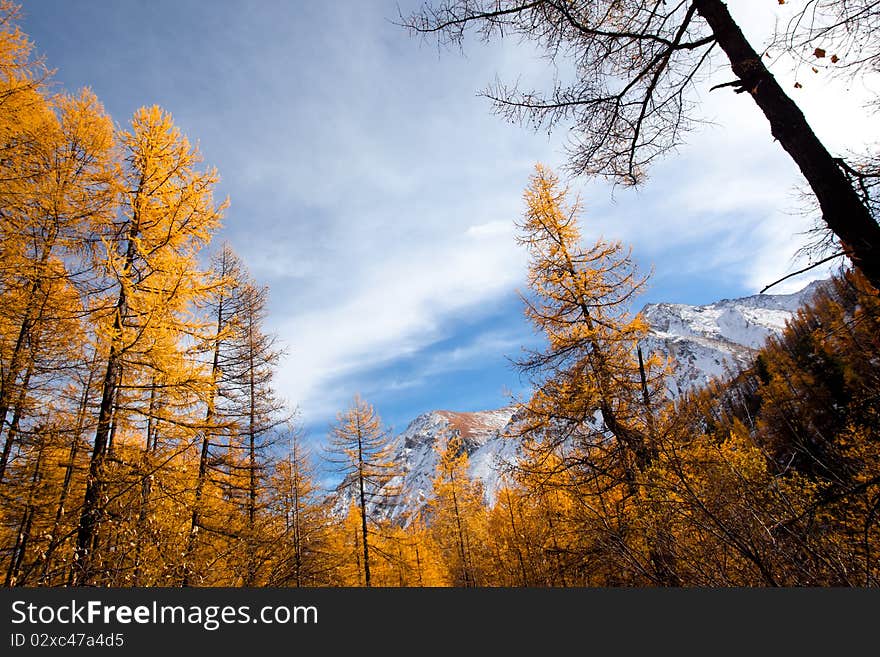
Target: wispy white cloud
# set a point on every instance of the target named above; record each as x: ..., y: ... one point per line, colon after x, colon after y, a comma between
x: 397, y: 305
x: 473, y: 355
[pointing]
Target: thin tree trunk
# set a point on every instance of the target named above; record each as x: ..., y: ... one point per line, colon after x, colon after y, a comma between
x: 252, y: 461
x: 560, y: 571
x: 646, y: 400
x: 630, y: 436
x: 24, y: 529
x: 660, y: 550
x: 196, y: 516
x: 401, y: 580
x: 297, y: 534
x: 467, y: 551
x: 7, y: 384
x: 363, y: 501
x: 357, y: 556
x: 16, y: 419
x: 463, y: 552
x: 92, y: 510
x: 419, y: 566
x: 519, y: 556
x: 15, y: 359
x: 146, y: 488
x: 68, y: 473
x: 114, y: 418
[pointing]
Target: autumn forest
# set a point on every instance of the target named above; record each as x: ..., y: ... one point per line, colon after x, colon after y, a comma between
x: 144, y: 441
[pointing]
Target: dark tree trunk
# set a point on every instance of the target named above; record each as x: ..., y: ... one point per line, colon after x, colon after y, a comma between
x: 419, y: 565
x: 195, y: 518
x: 60, y: 510
x: 363, y: 502
x: 146, y: 487
x: 297, y: 534
x: 462, y: 548
x: 252, y: 461
x: 560, y: 570
x: 357, y: 548
x: 31, y: 316
x: 92, y: 508
x: 24, y: 529
x: 16, y: 420
x: 842, y: 209
x: 90, y: 517
x: 514, y: 534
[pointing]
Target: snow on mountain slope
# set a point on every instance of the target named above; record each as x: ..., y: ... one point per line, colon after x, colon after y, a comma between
x: 703, y: 340
x: 416, y: 457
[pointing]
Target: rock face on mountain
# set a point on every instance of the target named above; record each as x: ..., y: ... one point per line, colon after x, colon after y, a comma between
x: 704, y: 341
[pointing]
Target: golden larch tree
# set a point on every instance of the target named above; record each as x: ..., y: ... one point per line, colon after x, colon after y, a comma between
x: 360, y: 448
x: 149, y: 258
x: 456, y: 512
x: 591, y: 409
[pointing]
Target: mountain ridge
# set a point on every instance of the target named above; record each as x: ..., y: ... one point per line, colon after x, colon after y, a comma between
x: 705, y: 341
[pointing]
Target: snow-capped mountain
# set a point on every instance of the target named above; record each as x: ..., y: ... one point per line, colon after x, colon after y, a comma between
x: 416, y: 455
x: 703, y: 340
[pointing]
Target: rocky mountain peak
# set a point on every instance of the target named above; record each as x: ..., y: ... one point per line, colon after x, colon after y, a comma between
x: 705, y: 341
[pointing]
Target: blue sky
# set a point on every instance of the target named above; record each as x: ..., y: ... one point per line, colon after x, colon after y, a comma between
x: 375, y: 193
